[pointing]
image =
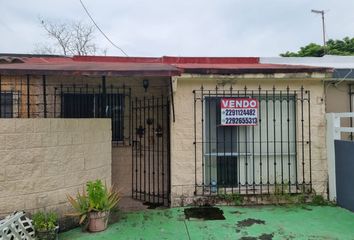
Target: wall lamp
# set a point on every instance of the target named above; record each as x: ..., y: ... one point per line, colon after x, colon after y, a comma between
x: 145, y: 84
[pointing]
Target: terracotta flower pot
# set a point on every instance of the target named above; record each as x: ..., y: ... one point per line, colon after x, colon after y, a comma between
x: 98, y: 221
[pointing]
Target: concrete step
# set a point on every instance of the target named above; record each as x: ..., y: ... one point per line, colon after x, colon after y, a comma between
x: 128, y: 204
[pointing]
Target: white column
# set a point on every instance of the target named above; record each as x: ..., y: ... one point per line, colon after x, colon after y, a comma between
x: 333, y: 133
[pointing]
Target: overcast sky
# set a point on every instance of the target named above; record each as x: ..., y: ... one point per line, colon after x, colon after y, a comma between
x: 182, y: 27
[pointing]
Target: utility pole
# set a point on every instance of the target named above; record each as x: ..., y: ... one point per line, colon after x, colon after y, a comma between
x: 322, y: 12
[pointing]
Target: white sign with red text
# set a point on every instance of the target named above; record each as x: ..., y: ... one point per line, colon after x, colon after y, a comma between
x: 239, y: 111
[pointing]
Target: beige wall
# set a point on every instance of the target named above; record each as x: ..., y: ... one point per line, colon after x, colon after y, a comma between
x: 182, y: 132
x: 122, y: 169
x: 337, y: 97
x: 42, y: 160
x: 338, y: 100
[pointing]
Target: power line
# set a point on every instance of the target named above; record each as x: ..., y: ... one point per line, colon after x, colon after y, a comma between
x: 93, y: 21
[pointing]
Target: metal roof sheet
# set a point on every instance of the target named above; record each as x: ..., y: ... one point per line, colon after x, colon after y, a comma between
x: 339, y: 62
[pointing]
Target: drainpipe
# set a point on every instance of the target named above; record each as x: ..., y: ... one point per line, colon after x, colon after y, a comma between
x: 172, y: 101
x: 28, y: 95
x: 104, y: 93
x: 44, y: 85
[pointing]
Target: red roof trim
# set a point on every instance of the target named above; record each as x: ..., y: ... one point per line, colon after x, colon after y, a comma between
x: 92, y: 68
x: 117, y: 59
x: 170, y: 60
x: 53, y: 60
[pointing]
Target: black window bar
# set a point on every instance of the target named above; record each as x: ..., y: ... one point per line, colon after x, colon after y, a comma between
x: 28, y: 97
x: 272, y: 156
x: 94, y: 102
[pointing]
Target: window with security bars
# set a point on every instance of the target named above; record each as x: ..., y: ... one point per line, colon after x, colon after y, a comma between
x: 239, y: 155
x: 253, y: 158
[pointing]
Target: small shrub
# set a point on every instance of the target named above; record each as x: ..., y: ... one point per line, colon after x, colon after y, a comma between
x: 278, y: 194
x: 237, y: 199
x: 43, y: 221
x: 301, y: 199
x: 97, y: 195
x: 204, y: 201
x: 96, y: 198
x: 282, y: 195
x: 233, y: 198
x: 319, y: 200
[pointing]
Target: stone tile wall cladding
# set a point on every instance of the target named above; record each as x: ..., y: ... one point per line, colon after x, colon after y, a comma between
x: 182, y: 131
x: 42, y: 160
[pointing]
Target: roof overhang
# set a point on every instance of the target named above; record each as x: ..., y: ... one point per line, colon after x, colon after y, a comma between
x: 233, y: 69
x: 91, y: 69
x: 146, y: 66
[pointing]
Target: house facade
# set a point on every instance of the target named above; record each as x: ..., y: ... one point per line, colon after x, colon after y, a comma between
x: 284, y: 151
x: 180, y: 127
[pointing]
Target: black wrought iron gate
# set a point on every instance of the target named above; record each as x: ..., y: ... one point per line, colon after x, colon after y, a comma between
x: 151, y: 150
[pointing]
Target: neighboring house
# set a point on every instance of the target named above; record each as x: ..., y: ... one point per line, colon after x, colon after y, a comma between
x: 339, y: 90
x: 181, y: 126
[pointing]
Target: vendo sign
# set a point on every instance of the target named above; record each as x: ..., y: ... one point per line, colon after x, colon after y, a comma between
x: 239, y: 111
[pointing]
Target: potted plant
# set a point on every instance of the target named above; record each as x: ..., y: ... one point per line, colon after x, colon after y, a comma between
x: 93, y: 205
x: 45, y: 225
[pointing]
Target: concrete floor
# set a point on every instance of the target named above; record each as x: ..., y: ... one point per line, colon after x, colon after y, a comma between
x: 245, y: 223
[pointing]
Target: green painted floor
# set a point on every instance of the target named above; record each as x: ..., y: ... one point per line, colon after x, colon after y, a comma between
x: 263, y: 223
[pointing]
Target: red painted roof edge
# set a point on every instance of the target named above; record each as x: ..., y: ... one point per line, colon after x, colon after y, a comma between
x: 117, y: 59
x: 47, y: 59
x: 170, y: 60
x: 210, y: 60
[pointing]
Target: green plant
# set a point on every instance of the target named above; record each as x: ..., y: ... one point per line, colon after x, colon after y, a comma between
x: 97, y: 195
x: 320, y: 201
x: 234, y: 198
x: 278, y: 193
x: 81, y: 205
x: 97, y: 198
x: 282, y: 195
x: 237, y: 199
x: 301, y: 198
x: 45, y: 221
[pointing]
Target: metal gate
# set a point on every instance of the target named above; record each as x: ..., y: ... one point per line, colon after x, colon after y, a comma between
x: 151, y: 150
x: 344, y: 151
x: 340, y: 160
